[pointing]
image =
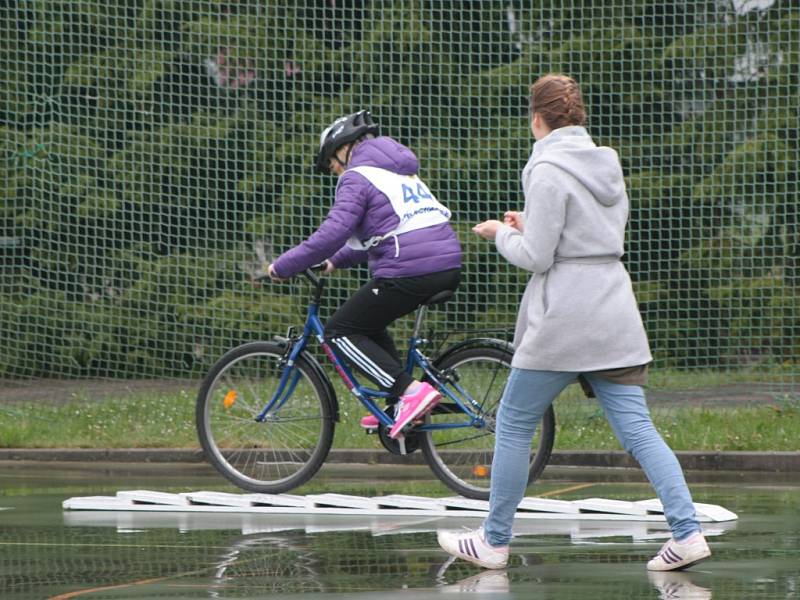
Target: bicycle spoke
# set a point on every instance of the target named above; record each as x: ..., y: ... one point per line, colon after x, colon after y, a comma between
x: 264, y: 455
x: 466, y: 439
x: 462, y: 458
x: 282, y: 419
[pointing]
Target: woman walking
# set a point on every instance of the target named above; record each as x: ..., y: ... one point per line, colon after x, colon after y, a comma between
x: 578, y: 318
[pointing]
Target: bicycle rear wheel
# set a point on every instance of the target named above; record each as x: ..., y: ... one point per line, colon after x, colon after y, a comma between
x: 462, y: 457
x: 285, y: 449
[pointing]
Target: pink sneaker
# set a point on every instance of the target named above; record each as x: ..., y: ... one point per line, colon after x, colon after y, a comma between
x: 413, y: 406
x: 370, y: 422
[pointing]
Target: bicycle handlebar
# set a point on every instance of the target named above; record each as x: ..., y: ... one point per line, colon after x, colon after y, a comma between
x: 315, y: 280
x: 310, y: 274
x: 313, y: 277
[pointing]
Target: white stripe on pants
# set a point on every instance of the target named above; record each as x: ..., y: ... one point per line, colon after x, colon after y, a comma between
x: 348, y: 349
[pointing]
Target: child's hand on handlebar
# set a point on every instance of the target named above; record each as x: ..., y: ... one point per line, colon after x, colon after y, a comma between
x: 271, y: 273
x: 325, y: 266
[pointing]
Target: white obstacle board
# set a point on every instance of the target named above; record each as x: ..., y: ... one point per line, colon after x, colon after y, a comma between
x: 579, y: 531
x: 590, y: 509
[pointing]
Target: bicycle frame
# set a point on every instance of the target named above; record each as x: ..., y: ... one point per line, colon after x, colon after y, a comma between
x: 314, y: 327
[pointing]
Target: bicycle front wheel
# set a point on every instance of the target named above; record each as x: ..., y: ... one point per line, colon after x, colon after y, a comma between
x: 289, y: 445
x: 462, y: 457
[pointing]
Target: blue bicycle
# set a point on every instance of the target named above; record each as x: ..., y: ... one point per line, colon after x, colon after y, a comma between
x: 266, y: 411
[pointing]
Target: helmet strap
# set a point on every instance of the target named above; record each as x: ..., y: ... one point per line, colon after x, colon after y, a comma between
x: 350, y: 147
x: 349, y: 153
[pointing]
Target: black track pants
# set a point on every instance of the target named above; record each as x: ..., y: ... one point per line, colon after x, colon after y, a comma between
x: 357, y: 330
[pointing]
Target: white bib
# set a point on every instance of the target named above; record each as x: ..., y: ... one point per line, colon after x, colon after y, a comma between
x: 411, y: 200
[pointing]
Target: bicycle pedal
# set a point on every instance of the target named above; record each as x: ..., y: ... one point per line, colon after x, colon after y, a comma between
x: 410, y: 427
x: 371, y: 430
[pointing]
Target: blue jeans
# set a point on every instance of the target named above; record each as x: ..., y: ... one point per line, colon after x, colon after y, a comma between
x: 526, y: 398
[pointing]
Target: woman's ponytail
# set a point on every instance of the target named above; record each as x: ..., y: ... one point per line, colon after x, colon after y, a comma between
x: 559, y: 100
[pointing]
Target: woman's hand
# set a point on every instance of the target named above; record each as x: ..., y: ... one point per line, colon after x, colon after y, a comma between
x: 329, y: 267
x: 514, y: 219
x: 488, y: 229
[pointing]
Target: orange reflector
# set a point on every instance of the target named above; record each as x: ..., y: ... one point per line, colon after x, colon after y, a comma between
x: 229, y: 399
x: 480, y: 471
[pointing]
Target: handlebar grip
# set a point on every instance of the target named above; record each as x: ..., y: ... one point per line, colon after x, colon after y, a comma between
x: 259, y: 278
x: 309, y: 274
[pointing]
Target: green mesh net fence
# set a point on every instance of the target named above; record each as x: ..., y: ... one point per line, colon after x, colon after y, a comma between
x: 157, y: 154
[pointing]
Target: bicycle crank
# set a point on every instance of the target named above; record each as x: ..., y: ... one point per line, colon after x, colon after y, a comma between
x: 402, y: 446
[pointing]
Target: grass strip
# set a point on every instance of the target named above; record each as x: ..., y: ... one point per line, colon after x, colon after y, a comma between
x: 167, y: 421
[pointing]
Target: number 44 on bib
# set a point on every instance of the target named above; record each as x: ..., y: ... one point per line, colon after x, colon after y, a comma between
x: 422, y: 193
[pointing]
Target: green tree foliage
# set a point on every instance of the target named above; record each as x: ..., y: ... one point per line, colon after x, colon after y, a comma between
x: 157, y: 153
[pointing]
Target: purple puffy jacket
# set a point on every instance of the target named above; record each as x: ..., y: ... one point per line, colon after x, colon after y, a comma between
x: 360, y: 209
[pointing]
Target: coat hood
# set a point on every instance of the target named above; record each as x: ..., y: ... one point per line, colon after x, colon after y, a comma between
x: 597, y: 168
x: 385, y: 153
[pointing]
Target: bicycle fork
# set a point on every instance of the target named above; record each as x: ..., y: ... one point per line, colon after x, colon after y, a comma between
x: 290, y: 375
x: 288, y: 382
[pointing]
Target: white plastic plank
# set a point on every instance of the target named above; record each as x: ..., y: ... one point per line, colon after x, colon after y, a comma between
x: 219, y: 499
x: 461, y: 503
x: 578, y: 529
x: 652, y: 506
x: 97, y: 503
x: 705, y: 512
x: 340, y: 501
x: 408, y: 502
x: 548, y: 505
x: 148, y: 497
x: 594, y: 509
x: 617, y: 507
x: 279, y: 500
x: 113, y: 504
x: 714, y: 512
x: 594, y: 516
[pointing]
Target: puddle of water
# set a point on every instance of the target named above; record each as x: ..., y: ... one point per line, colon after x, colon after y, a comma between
x: 48, y: 553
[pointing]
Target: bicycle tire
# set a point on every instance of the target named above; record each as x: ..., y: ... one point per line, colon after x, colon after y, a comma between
x: 289, y: 446
x: 461, y: 458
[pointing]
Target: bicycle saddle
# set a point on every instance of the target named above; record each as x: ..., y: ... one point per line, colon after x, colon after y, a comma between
x: 439, y: 298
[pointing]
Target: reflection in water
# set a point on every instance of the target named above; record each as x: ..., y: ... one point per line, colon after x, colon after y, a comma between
x: 273, y: 563
x: 345, y: 561
x: 485, y: 582
x: 290, y: 554
x: 677, y: 585
x: 256, y: 556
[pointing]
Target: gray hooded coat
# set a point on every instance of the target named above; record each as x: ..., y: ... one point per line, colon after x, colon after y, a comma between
x: 578, y: 313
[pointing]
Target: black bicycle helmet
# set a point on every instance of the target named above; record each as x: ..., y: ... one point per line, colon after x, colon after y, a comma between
x: 343, y: 131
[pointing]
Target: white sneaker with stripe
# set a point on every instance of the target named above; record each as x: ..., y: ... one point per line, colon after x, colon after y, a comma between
x: 471, y: 546
x: 675, y: 556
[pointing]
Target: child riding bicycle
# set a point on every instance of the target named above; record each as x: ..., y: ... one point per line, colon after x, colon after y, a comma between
x: 383, y: 213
